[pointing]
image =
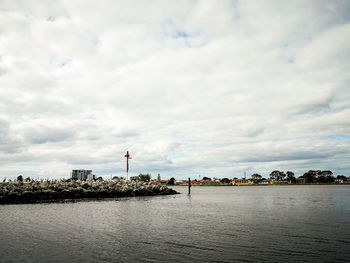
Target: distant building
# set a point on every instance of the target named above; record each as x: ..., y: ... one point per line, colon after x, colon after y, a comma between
x: 163, y: 181
x: 82, y: 175
x: 265, y: 181
x: 181, y: 182
x: 208, y: 182
x: 242, y: 181
x: 90, y: 177
x: 158, y: 178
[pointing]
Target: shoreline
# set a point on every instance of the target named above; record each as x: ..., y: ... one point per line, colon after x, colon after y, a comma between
x: 305, y: 184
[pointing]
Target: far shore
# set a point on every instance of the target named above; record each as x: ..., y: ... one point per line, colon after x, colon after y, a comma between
x: 305, y: 184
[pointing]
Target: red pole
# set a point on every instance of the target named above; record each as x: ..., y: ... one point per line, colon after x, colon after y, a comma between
x: 127, y: 164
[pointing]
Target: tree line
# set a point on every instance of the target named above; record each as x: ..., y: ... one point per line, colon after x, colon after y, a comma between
x: 312, y: 176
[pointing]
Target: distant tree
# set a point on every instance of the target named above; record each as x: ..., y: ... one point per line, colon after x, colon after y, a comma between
x: 321, y: 179
x: 20, y: 178
x: 28, y: 179
x: 277, y: 175
x: 144, y: 177
x: 100, y: 179
x: 326, y: 173
x: 256, y: 178
x: 327, y: 176
x: 330, y: 179
x: 171, y: 181
x: 206, y: 178
x: 311, y: 176
x: 225, y: 181
x: 290, y: 177
x: 342, y: 177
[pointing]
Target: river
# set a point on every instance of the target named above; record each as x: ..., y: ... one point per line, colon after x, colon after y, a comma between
x: 214, y: 224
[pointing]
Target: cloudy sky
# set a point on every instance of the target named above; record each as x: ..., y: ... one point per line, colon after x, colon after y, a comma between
x: 209, y: 88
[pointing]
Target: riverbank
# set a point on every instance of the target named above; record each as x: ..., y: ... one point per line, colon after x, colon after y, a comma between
x: 48, y: 191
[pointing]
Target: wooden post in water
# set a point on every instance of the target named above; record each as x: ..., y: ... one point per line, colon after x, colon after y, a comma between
x: 189, y: 185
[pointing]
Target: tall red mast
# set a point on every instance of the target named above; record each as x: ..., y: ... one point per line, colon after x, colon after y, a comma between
x: 127, y: 164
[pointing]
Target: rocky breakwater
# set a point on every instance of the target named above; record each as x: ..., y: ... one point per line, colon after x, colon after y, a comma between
x: 55, y: 191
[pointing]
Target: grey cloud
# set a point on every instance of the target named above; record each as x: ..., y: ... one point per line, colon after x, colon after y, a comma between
x: 315, y: 104
x: 9, y: 143
x: 207, y: 80
x: 40, y: 135
x: 267, y: 157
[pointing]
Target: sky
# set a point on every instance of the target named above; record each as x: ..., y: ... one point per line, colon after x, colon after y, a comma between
x: 189, y: 88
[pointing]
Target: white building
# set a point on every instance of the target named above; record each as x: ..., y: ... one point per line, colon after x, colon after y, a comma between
x: 82, y: 175
x: 90, y: 177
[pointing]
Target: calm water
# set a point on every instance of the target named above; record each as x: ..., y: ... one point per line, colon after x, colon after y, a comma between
x: 214, y: 224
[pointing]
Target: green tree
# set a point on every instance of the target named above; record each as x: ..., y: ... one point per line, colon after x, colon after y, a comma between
x: 256, y: 178
x: 171, y: 181
x: 144, y: 177
x: 290, y: 177
x: 327, y: 175
x: 311, y: 176
x: 20, y: 178
x: 342, y: 177
x: 225, y: 181
x: 206, y: 178
x: 99, y: 179
x: 277, y: 176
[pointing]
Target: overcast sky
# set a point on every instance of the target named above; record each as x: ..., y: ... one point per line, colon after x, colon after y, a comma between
x: 209, y: 88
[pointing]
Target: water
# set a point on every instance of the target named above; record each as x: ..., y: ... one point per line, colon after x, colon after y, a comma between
x: 214, y: 224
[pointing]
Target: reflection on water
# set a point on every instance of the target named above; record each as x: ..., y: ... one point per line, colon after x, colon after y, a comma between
x: 214, y: 224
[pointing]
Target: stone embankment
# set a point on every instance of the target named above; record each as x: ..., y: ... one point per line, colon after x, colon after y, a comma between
x: 56, y: 191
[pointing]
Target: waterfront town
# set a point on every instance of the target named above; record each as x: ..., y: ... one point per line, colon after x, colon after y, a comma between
x: 275, y: 177
x: 84, y: 184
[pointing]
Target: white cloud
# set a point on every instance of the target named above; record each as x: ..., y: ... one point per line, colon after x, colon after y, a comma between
x: 188, y: 87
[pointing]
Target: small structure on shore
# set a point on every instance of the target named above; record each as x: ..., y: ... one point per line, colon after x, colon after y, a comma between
x: 242, y: 181
x: 82, y: 175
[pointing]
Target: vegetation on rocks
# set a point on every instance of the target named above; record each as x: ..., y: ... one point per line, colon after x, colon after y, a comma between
x: 51, y: 191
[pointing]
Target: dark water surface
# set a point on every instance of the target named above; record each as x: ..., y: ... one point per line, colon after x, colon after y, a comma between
x: 214, y: 224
